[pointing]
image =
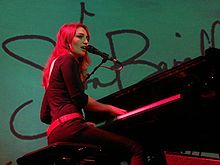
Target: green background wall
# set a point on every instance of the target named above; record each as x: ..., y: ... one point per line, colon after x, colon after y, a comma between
x: 147, y: 37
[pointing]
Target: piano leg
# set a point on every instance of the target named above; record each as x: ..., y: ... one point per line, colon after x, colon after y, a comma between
x: 157, y: 158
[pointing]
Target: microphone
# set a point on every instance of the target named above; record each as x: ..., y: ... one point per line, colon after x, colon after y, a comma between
x: 93, y: 50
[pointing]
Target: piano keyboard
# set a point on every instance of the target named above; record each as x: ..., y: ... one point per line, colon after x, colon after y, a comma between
x: 143, y: 109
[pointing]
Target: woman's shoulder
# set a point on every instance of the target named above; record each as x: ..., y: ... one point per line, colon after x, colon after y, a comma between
x: 66, y: 58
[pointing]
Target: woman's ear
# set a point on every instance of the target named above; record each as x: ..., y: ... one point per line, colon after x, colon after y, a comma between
x: 70, y: 47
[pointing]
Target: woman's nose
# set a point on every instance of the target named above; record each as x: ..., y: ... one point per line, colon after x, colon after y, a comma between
x: 86, y: 41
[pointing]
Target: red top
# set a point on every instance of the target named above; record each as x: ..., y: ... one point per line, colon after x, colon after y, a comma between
x: 65, y: 93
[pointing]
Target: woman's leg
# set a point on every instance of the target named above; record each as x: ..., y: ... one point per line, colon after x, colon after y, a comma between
x: 118, y: 146
x: 115, y: 144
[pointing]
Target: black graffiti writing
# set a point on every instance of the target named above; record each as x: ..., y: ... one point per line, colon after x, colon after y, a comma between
x: 133, y: 60
x: 25, y: 37
x: 13, y: 130
x: 84, y: 12
x: 130, y: 61
x: 211, y: 41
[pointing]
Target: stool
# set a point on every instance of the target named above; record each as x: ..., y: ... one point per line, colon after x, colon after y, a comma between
x: 65, y: 153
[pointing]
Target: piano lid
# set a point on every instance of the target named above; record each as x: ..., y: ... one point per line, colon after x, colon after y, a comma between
x: 187, y: 122
x: 196, y: 78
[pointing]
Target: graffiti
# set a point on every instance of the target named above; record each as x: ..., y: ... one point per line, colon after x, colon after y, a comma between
x: 130, y: 61
x: 25, y: 37
x: 204, y: 34
x: 84, y: 12
x: 96, y: 82
x: 12, y: 128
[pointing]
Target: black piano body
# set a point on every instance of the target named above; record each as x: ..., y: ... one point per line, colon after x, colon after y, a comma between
x: 176, y: 110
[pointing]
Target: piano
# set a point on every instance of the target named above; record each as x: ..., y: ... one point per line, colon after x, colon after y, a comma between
x: 175, y: 110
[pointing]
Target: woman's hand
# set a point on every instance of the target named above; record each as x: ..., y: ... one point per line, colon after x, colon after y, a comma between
x: 91, y: 124
x: 96, y: 106
x: 115, y: 111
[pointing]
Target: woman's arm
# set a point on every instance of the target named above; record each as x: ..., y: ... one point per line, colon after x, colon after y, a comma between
x: 96, y: 106
x: 45, y: 111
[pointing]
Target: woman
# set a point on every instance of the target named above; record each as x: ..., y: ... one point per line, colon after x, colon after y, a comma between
x: 65, y: 98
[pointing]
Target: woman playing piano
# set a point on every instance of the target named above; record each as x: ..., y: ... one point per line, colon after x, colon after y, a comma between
x: 64, y: 98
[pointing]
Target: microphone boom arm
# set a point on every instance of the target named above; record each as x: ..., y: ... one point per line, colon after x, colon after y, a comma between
x: 104, y: 56
x: 102, y: 62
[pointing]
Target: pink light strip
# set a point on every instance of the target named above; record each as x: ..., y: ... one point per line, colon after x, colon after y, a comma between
x: 149, y: 106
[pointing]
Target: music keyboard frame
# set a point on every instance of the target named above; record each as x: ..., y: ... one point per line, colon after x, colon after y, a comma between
x: 143, y: 109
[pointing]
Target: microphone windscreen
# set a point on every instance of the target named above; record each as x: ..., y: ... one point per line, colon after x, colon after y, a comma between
x: 92, y: 49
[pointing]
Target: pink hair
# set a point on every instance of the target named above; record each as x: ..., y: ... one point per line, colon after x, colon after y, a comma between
x: 64, y: 37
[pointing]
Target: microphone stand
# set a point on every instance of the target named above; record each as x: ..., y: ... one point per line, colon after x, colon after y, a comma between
x: 102, y: 62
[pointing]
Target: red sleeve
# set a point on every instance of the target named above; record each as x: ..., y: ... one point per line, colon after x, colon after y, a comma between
x: 70, y: 72
x: 45, y: 116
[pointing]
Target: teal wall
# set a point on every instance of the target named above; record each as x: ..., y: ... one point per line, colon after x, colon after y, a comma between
x: 146, y: 36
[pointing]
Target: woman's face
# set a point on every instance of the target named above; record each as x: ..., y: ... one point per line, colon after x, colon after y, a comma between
x: 79, y: 42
